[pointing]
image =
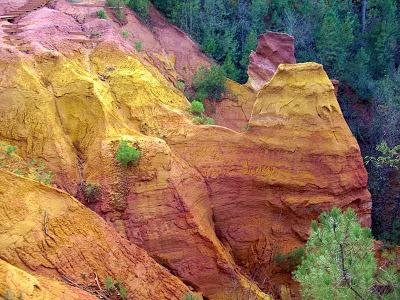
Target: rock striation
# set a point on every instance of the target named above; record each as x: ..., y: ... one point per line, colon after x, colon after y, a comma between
x: 273, y: 49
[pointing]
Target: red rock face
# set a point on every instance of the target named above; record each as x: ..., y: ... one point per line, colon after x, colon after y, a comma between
x: 273, y: 49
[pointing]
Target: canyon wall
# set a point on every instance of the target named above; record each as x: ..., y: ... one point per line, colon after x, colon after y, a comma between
x: 210, y: 204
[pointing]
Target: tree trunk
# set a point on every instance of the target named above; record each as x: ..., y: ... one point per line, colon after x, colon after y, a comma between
x: 364, y: 4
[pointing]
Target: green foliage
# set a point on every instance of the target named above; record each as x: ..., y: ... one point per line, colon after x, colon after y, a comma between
x: 197, y: 107
x: 118, y: 8
x: 10, y: 149
x: 43, y: 175
x: 127, y: 154
x: 92, y: 192
x: 109, y: 284
x: 388, y: 156
x: 190, y: 296
x: 18, y: 172
x: 209, y: 83
x: 141, y: 7
x: 391, y: 238
x: 125, y: 34
x: 115, y: 288
x: 289, y: 262
x: 334, y: 40
x: 180, y: 84
x: 138, y: 45
x: 339, y: 261
x: 203, y: 120
x: 101, y: 14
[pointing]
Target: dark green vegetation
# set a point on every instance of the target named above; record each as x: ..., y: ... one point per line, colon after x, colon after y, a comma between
x: 339, y: 262
x: 101, y: 14
x: 141, y: 7
x: 138, y: 46
x: 127, y: 154
x: 288, y: 262
x: 92, y: 192
x: 384, y: 184
x: 357, y: 41
x: 115, y: 288
x: 117, y: 7
x: 209, y: 83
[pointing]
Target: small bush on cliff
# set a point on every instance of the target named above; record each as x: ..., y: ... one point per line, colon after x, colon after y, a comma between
x: 197, y: 107
x: 92, y: 192
x: 190, y: 296
x: 180, y: 84
x: 209, y: 83
x: 118, y: 8
x: 125, y: 34
x: 340, y: 263
x: 203, y: 120
x: 127, y: 154
x: 115, y: 289
x: 101, y: 14
x: 138, y: 45
x: 141, y: 7
x: 42, y: 174
x: 10, y: 149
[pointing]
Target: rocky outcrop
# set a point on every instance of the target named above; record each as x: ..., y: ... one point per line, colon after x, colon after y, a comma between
x: 209, y: 203
x: 47, y: 232
x: 273, y: 49
x: 297, y: 159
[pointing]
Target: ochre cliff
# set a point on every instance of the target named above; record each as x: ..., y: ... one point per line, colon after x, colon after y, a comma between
x: 18, y: 284
x: 211, y: 204
x: 47, y: 232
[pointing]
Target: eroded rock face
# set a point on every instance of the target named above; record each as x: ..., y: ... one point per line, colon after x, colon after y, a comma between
x: 297, y: 159
x: 49, y: 233
x: 273, y: 49
x: 209, y: 203
x: 18, y: 284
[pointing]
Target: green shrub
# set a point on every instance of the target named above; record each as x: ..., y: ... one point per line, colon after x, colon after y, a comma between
x: 127, y: 154
x: 118, y: 8
x: 109, y: 284
x: 197, y: 107
x: 92, y: 192
x: 101, y: 14
x: 10, y: 149
x: 18, y: 172
x: 42, y: 175
x: 115, y: 288
x: 190, y: 296
x: 203, y: 120
x: 209, y: 83
x: 138, y: 45
x: 180, y: 84
x: 141, y: 7
x: 125, y: 34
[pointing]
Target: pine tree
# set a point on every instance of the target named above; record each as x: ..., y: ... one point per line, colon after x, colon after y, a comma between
x: 339, y: 262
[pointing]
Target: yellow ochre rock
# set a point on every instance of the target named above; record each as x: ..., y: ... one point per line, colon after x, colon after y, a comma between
x: 18, y: 284
x: 47, y: 232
